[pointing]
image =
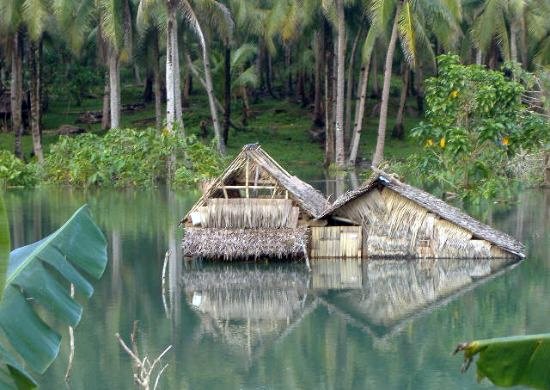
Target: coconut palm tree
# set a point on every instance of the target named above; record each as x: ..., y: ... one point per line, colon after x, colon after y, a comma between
x: 408, y: 21
x: 115, y: 19
x: 11, y: 26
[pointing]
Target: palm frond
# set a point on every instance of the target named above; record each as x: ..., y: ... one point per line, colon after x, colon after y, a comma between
x: 217, y: 16
x: 35, y: 14
x: 247, y: 78
x: 368, y: 44
x: 243, y: 54
x: 192, y: 21
x: 406, y: 29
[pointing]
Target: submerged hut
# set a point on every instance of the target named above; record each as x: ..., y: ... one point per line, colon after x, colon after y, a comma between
x: 396, y: 220
x: 254, y: 209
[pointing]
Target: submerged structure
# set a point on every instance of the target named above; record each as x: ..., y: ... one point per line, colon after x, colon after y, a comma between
x: 256, y: 209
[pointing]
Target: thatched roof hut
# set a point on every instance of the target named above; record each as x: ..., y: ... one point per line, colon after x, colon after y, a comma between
x: 399, y: 220
x: 254, y: 209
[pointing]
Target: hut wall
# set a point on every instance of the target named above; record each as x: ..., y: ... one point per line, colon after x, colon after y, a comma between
x: 246, y: 213
x: 336, y: 242
x: 395, y: 226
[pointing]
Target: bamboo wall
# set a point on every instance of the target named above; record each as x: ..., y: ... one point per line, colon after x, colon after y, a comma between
x: 395, y: 226
x: 336, y: 242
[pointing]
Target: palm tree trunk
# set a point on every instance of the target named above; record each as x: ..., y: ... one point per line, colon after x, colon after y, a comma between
x: 106, y: 116
x: 349, y: 88
x: 156, y: 84
x: 211, y: 99
x: 340, y: 81
x: 227, y: 94
x: 177, y: 80
x: 329, y: 98
x: 172, y: 87
x: 374, y: 75
x: 523, y: 42
x: 478, y: 57
x: 359, y: 114
x: 187, y: 87
x: 318, y: 114
x: 379, y: 151
x: 114, y: 88
x: 398, y: 131
x: 17, y: 92
x: 513, y: 41
x: 34, y: 61
x: 246, y: 106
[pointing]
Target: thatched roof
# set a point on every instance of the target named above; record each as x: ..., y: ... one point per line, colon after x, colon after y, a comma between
x: 434, y: 205
x: 228, y: 244
x: 307, y: 197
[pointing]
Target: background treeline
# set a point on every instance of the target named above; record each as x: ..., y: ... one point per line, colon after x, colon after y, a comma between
x: 329, y: 56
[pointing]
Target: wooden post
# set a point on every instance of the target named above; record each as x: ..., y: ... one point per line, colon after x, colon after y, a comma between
x: 247, y: 178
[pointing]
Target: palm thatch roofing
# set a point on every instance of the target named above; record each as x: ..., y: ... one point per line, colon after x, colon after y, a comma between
x: 307, y: 197
x: 434, y: 205
x: 227, y: 244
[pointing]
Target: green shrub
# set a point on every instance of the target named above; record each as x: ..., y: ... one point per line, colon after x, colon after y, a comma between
x: 475, y: 124
x: 129, y: 157
x: 14, y: 172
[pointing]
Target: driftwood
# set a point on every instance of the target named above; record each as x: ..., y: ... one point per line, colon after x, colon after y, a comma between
x: 142, y: 367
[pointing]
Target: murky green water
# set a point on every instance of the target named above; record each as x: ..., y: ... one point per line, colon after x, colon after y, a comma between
x: 385, y: 324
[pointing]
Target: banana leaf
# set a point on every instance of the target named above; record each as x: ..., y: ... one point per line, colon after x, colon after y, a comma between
x: 4, y: 243
x: 79, y: 245
x: 511, y: 361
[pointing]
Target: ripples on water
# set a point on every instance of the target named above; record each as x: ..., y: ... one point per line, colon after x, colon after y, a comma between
x: 347, y: 324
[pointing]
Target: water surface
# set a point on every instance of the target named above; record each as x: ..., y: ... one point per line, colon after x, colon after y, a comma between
x: 346, y: 325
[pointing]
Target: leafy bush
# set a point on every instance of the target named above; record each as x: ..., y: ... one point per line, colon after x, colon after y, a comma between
x: 128, y: 157
x: 14, y: 172
x: 475, y: 124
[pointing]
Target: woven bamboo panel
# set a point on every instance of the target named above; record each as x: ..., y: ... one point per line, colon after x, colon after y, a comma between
x: 336, y: 242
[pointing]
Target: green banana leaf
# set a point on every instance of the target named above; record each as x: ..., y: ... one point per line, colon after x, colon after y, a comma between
x: 12, y: 374
x: 79, y: 245
x: 4, y: 243
x: 511, y: 361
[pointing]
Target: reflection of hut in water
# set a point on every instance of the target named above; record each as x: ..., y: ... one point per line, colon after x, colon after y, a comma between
x: 396, y: 290
x: 246, y: 306
x: 398, y: 220
x: 254, y: 209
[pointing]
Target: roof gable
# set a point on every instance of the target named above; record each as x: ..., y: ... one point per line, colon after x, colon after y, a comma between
x: 307, y: 197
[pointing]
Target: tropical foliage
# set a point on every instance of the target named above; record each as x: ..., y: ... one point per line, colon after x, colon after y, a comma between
x: 33, y: 274
x: 511, y: 361
x: 476, y: 123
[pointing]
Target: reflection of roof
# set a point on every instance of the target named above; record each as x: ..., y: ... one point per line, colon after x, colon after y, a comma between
x: 248, y: 305
x: 434, y: 205
x: 307, y: 197
x: 396, y: 290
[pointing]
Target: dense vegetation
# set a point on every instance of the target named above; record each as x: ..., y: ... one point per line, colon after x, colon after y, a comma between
x: 479, y: 138
x: 348, y: 65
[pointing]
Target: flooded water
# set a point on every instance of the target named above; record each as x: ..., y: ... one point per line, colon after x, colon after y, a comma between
x: 344, y: 325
